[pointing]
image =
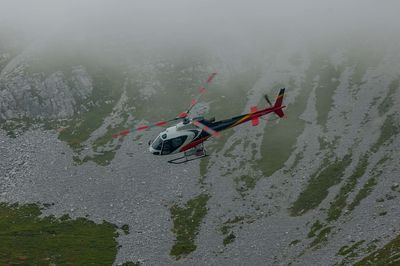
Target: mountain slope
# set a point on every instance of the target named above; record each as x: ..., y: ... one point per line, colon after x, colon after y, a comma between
x: 322, y: 185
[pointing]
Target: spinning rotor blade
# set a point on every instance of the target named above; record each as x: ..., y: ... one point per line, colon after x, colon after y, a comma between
x: 182, y: 115
x: 202, y: 90
x: 141, y: 128
x: 207, y: 129
x: 267, y: 99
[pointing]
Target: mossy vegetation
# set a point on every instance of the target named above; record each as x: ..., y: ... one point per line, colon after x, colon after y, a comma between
x: 14, y: 127
x: 245, y: 183
x: 102, y: 159
x: 388, y: 255
x: 125, y: 228
x: 298, y: 157
x: 321, y: 237
x: 354, y: 249
x: 29, y: 239
x: 315, y: 227
x: 317, y: 188
x: 229, y: 239
x: 339, y: 203
x: 130, y: 263
x: 107, y: 89
x: 230, y: 223
x: 231, y: 92
x: 388, y: 101
x: 227, y: 227
x: 363, y: 193
x: 282, y: 138
x: 389, y: 128
x: 294, y: 242
x: 346, y: 250
x: 186, y: 224
x: 368, y: 186
x: 351, y: 252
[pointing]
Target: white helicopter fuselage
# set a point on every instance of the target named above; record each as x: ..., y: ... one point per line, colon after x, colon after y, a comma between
x: 173, y: 139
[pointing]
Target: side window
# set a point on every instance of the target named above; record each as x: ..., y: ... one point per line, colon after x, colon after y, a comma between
x: 171, y: 145
x: 176, y: 142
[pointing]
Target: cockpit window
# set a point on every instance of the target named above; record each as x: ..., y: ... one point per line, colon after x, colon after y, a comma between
x: 171, y: 145
x: 157, y: 144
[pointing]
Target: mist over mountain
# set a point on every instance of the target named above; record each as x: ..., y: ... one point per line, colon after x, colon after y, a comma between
x: 319, y: 187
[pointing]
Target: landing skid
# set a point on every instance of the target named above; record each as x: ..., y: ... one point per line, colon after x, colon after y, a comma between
x: 190, y: 155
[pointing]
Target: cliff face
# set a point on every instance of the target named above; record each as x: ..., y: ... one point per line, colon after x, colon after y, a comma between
x: 320, y: 186
x: 37, y: 95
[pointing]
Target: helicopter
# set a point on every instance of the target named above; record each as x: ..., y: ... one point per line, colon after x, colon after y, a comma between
x: 190, y: 133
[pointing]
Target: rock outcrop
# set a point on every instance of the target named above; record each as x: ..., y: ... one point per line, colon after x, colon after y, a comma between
x: 41, y: 95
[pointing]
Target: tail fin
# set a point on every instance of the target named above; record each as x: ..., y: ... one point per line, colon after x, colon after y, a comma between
x: 278, y: 103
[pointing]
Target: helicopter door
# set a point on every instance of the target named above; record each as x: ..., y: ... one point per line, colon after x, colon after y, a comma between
x: 171, y: 145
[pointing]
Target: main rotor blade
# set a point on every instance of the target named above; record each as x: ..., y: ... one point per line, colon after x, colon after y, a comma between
x: 141, y: 128
x: 182, y: 115
x: 207, y: 129
x: 202, y: 90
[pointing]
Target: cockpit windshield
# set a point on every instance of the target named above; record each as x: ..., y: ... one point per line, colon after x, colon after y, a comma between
x: 157, y: 144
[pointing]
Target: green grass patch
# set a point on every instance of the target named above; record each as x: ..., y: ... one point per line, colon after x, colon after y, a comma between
x: 279, y: 140
x: 187, y: 220
x: 389, y: 128
x: 28, y: 239
x: 315, y: 227
x: 368, y: 186
x: 317, y: 188
x: 298, y: 157
x: 388, y: 102
x: 339, y: 203
x: 104, y: 158
x: 125, y: 228
x: 227, y: 226
x: 245, y: 183
x: 363, y: 193
x: 294, y: 242
x: 228, y: 101
x: 107, y: 89
x: 351, y: 252
x: 322, y: 236
x: 347, y: 250
x: 130, y: 263
x: 229, y: 239
x: 388, y: 255
x: 16, y: 126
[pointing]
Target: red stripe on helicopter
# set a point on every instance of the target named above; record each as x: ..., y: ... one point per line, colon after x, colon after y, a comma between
x: 193, y: 144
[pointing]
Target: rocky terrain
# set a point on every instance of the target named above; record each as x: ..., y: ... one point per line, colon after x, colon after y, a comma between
x: 321, y: 185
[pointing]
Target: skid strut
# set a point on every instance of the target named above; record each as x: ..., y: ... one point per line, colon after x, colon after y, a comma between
x: 195, y: 153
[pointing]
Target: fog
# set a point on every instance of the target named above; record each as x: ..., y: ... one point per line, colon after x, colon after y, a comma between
x: 203, y: 23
